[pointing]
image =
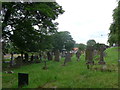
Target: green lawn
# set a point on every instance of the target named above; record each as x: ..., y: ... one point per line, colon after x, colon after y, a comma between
x: 74, y: 75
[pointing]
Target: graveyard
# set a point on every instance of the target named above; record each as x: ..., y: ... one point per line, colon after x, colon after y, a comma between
x: 49, y: 44
x: 74, y: 75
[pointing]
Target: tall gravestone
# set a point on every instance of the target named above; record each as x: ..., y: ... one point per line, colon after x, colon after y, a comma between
x: 102, y: 49
x: 57, y: 54
x: 67, y: 57
x: 89, y: 56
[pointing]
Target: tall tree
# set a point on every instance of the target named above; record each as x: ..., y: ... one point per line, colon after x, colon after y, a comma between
x: 19, y: 21
x: 114, y: 35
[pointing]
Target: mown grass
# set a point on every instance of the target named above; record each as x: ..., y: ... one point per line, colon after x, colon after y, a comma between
x: 74, y: 75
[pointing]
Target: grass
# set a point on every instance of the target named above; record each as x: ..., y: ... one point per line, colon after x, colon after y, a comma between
x: 74, y: 75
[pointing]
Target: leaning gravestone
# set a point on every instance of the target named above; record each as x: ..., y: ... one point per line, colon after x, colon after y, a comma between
x: 22, y: 79
x: 89, y: 56
x: 102, y: 49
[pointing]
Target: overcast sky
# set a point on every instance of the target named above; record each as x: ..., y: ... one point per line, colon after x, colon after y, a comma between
x: 86, y: 19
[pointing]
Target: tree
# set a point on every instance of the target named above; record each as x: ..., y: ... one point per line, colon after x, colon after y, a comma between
x: 91, y: 42
x: 62, y: 40
x: 19, y: 20
x: 82, y: 47
x: 115, y: 27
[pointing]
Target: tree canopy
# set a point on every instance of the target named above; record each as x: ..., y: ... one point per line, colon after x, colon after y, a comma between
x: 63, y: 40
x: 114, y: 35
x: 20, y: 19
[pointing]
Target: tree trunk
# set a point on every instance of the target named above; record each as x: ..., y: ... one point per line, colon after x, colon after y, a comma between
x: 11, y: 62
x: 26, y: 57
x: 22, y: 56
x: 3, y: 57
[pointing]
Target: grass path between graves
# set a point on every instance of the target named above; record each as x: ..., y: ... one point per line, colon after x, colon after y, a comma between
x: 74, y: 75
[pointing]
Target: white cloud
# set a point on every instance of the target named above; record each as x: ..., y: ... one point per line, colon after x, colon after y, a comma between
x: 86, y: 19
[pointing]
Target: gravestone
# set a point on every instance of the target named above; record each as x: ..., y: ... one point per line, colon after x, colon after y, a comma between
x: 57, y: 54
x: 18, y: 61
x: 78, y: 54
x: 67, y: 58
x: 95, y: 52
x: 22, y: 79
x: 102, y: 49
x: 89, y: 56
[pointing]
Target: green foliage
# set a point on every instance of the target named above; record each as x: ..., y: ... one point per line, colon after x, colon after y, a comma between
x: 19, y: 20
x: 82, y: 47
x: 76, y: 45
x: 115, y: 27
x: 62, y: 40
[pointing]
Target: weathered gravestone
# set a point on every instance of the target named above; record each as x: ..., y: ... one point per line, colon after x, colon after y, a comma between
x: 67, y: 58
x: 18, y: 61
x: 57, y: 56
x: 89, y: 56
x: 22, y: 79
x: 102, y: 49
x: 95, y: 52
x: 78, y: 54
